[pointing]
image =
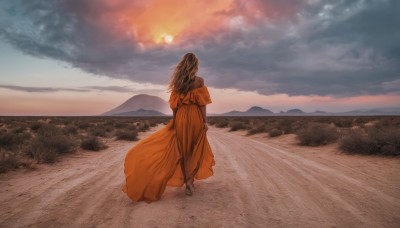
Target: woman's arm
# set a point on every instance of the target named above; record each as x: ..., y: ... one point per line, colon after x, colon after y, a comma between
x: 204, y: 114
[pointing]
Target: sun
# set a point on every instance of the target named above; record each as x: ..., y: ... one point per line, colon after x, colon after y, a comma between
x: 163, y: 38
x: 168, y: 39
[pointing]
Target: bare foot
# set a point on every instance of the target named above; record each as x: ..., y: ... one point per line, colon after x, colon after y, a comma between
x: 190, y: 186
x: 188, y: 190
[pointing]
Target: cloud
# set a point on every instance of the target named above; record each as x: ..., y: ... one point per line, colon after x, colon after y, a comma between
x: 118, y: 89
x: 336, y: 48
x: 40, y: 89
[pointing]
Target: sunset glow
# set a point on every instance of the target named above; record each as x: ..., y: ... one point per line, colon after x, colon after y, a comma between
x: 159, y: 21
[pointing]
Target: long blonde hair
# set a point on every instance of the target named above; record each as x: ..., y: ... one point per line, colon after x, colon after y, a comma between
x: 184, y: 74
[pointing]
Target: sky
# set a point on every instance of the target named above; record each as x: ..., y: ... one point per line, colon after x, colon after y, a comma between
x: 84, y: 57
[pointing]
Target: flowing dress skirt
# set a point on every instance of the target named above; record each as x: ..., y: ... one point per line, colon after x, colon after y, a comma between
x: 168, y: 156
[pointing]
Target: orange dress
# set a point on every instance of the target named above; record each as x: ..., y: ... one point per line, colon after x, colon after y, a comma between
x: 155, y: 162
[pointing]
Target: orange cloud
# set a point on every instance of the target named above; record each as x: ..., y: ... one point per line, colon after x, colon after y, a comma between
x: 174, y: 21
x: 161, y: 21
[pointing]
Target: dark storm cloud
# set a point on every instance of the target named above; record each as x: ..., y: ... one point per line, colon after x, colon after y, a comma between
x: 339, y: 48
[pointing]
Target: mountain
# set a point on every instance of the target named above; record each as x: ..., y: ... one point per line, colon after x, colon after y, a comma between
x: 141, y: 101
x: 295, y: 111
x: 140, y: 112
x: 233, y: 113
x: 319, y: 113
x: 257, y: 111
x: 292, y: 112
x: 253, y: 111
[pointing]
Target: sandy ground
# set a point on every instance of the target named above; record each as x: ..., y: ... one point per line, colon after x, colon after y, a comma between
x: 258, y: 182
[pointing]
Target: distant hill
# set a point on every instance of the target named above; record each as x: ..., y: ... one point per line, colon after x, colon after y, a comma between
x: 258, y: 111
x: 232, y: 113
x: 253, y: 111
x: 375, y: 111
x: 292, y: 112
x: 140, y: 112
x: 295, y: 111
x: 141, y: 101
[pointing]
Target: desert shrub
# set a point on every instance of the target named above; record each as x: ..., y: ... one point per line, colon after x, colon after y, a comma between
x: 92, y: 143
x: 11, y: 141
x: 211, y: 121
x: 375, y: 140
x: 388, y: 123
x: 8, y: 163
x: 83, y: 125
x: 316, y: 134
x: 48, y: 130
x: 387, y: 140
x: 98, y: 131
x: 131, y: 127
x: 108, y: 128
x: 285, y: 125
x: 8, y: 140
x: 144, y: 127
x: 19, y: 129
x: 357, y: 141
x: 120, y: 125
x: 244, y: 120
x: 298, y: 125
x: 275, y: 133
x: 36, y: 125
x: 237, y: 125
x: 153, y: 123
x: 257, y: 129
x: 70, y: 130
x: 47, y: 148
x: 343, y: 122
x: 126, y: 135
x: 360, y: 121
x: 222, y: 124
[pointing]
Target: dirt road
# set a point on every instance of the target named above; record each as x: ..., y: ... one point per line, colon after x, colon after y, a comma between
x: 256, y: 184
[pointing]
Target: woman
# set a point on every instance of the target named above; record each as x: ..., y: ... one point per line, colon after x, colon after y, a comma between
x: 178, y: 153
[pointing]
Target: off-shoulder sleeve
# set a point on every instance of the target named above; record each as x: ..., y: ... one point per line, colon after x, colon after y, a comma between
x: 173, y: 100
x: 202, y: 96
